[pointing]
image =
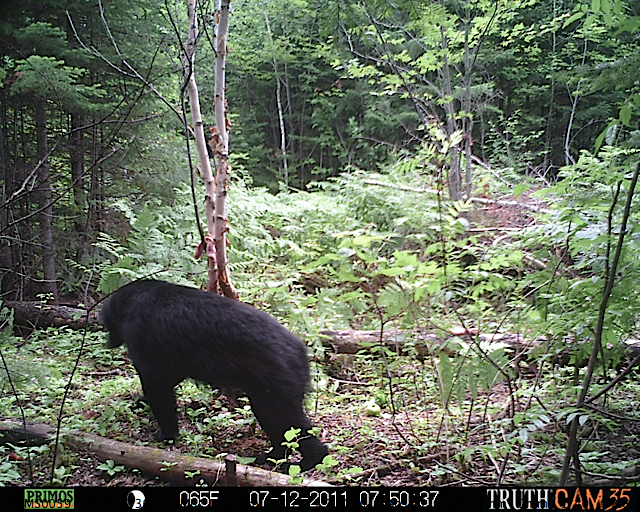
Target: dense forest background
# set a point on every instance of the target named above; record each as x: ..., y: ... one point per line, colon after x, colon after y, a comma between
x: 456, y: 167
x: 91, y: 106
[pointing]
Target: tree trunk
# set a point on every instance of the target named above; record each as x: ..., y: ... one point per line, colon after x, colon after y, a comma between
x: 215, y: 189
x: 283, y: 138
x: 454, y: 177
x: 574, y: 97
x: 547, y: 139
x: 46, y: 215
x: 95, y: 201
x: 201, y: 145
x: 7, y: 280
x: 76, y: 158
x: 467, y: 121
x: 221, y: 151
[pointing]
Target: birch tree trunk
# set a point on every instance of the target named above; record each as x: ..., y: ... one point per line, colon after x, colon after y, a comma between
x: 214, y: 187
x: 220, y: 146
x: 283, y: 139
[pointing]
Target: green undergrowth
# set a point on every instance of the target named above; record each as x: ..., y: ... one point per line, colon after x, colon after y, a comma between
x: 435, y: 395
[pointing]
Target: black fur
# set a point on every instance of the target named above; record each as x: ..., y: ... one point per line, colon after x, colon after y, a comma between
x: 174, y: 332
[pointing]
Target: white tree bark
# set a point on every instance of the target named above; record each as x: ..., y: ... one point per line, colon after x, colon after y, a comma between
x: 283, y: 139
x: 220, y: 144
x: 215, y: 214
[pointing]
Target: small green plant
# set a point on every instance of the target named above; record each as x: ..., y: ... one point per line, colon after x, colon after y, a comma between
x: 329, y: 462
x: 110, y: 467
x: 190, y: 475
x: 295, y: 474
x: 9, y: 474
x: 166, y: 466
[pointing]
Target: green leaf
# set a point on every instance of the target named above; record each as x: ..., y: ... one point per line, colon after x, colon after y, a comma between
x: 291, y: 434
x: 392, y: 272
x: 572, y: 18
x: 446, y: 375
x: 362, y: 240
x: 625, y: 115
x: 294, y: 470
x: 519, y: 189
x: 606, y: 136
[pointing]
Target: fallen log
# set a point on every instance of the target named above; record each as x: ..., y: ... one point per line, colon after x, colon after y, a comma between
x: 480, y: 200
x: 170, y: 466
x: 36, y: 315
x: 350, y: 341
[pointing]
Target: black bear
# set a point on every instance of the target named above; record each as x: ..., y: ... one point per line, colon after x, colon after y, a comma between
x: 174, y: 332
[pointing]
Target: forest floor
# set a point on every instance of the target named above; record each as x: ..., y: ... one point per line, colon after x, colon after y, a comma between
x: 383, y: 447
x: 388, y: 449
x: 418, y: 444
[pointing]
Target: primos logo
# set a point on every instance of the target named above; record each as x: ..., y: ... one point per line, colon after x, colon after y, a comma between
x: 48, y: 499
